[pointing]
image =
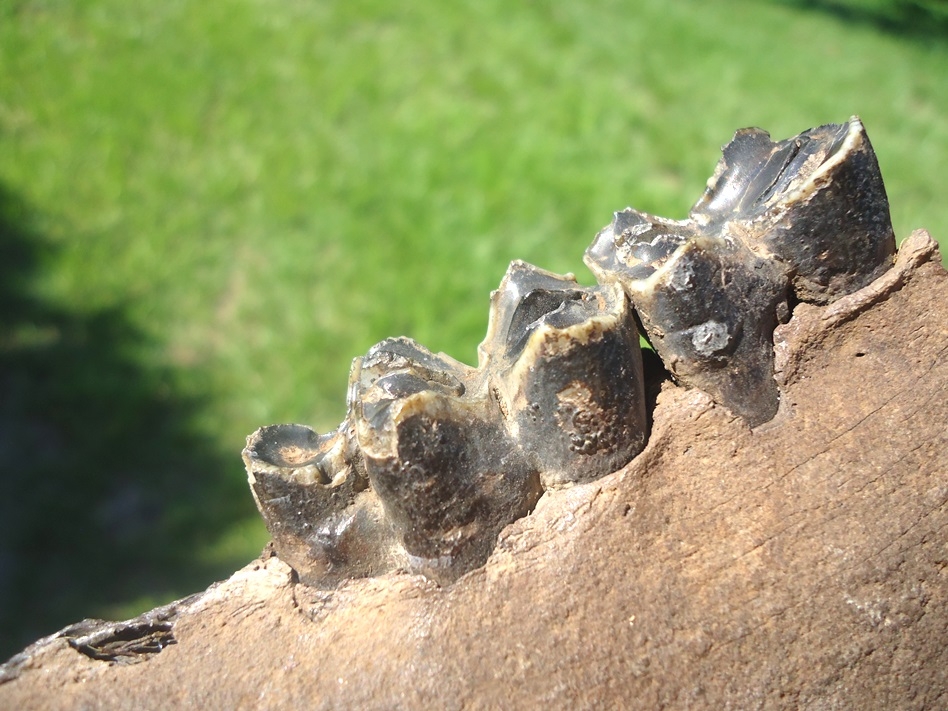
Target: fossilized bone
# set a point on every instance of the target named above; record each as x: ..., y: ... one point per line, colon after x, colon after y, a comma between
x: 435, y: 457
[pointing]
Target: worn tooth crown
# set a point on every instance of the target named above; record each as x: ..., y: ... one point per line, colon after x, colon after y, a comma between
x: 438, y: 455
x: 565, y: 365
x: 806, y: 217
x: 815, y: 202
x: 323, y: 519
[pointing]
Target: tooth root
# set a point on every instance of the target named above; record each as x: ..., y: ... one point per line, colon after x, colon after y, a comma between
x: 324, y: 521
x: 439, y: 458
x: 565, y: 364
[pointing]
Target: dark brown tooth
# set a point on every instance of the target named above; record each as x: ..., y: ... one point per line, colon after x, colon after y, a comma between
x: 435, y: 457
x: 565, y: 364
x: 815, y: 202
x: 711, y: 312
x: 805, y: 218
x: 439, y: 456
x: 325, y: 521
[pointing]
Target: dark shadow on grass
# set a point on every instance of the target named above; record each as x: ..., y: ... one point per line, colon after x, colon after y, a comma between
x: 106, y: 491
x: 913, y: 19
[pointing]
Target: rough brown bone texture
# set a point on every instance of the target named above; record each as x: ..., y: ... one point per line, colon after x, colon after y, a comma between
x: 803, y: 564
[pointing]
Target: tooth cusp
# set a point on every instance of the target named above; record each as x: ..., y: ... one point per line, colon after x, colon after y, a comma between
x: 572, y: 388
x: 315, y: 503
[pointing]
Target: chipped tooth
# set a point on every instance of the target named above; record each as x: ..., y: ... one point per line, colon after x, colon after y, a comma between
x: 325, y: 521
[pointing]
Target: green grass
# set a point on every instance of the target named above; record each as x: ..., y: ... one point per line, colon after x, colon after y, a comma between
x: 208, y: 209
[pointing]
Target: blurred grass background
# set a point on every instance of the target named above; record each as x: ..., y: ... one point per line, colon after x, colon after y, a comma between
x: 208, y: 209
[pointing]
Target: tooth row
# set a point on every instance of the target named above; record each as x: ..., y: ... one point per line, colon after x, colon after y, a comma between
x: 435, y: 457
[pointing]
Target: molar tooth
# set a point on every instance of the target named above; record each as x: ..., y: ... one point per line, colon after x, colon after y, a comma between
x: 816, y: 202
x: 565, y: 363
x: 710, y: 314
x: 437, y: 453
x: 324, y: 520
x: 808, y: 214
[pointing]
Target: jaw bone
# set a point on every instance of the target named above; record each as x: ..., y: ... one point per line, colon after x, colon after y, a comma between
x: 434, y: 457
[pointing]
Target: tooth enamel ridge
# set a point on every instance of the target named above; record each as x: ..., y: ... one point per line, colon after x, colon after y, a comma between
x: 435, y: 457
